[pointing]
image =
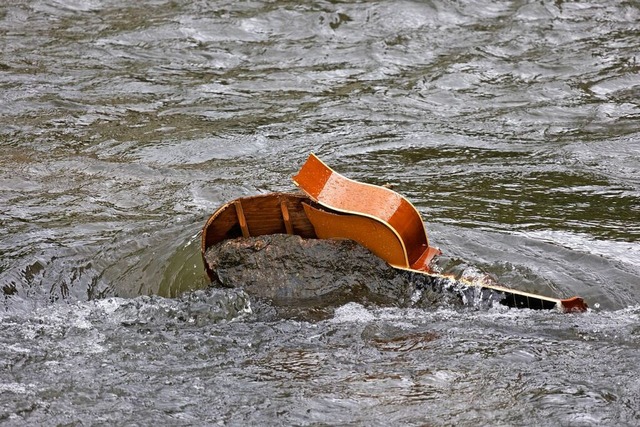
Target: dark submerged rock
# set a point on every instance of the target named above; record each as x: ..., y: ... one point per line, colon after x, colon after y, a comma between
x: 298, y: 273
x: 289, y: 269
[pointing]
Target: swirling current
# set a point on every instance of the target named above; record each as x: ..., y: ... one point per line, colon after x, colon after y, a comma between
x: 512, y: 126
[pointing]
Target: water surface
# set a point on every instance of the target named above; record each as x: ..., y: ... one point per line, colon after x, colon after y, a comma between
x: 512, y: 127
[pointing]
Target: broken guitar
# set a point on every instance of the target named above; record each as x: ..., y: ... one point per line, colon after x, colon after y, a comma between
x: 335, y: 207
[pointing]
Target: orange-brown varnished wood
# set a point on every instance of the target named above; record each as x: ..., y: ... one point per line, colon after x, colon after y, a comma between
x: 422, y: 263
x: 286, y: 217
x: 370, y: 233
x: 342, y: 194
x: 263, y: 215
x: 573, y: 305
x: 241, y: 219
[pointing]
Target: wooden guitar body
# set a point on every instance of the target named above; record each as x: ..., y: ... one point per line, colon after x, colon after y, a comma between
x: 371, y: 234
x: 376, y: 217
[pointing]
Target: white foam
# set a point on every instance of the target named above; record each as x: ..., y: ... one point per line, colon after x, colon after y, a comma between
x: 13, y: 388
x: 352, y: 312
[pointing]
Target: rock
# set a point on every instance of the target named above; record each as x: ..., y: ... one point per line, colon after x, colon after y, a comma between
x: 287, y: 269
x: 291, y: 271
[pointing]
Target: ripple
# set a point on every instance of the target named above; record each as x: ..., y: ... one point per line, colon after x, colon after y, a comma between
x: 511, y: 126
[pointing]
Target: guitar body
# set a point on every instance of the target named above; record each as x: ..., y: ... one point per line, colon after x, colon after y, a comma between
x: 404, y: 243
x: 373, y: 235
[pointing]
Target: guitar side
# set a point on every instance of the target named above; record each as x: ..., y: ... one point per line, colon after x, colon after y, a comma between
x: 374, y: 235
x: 341, y: 194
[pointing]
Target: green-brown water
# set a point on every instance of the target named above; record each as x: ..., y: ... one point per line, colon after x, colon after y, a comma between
x: 514, y: 127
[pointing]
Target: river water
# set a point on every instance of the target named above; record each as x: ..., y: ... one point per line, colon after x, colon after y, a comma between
x: 513, y: 126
